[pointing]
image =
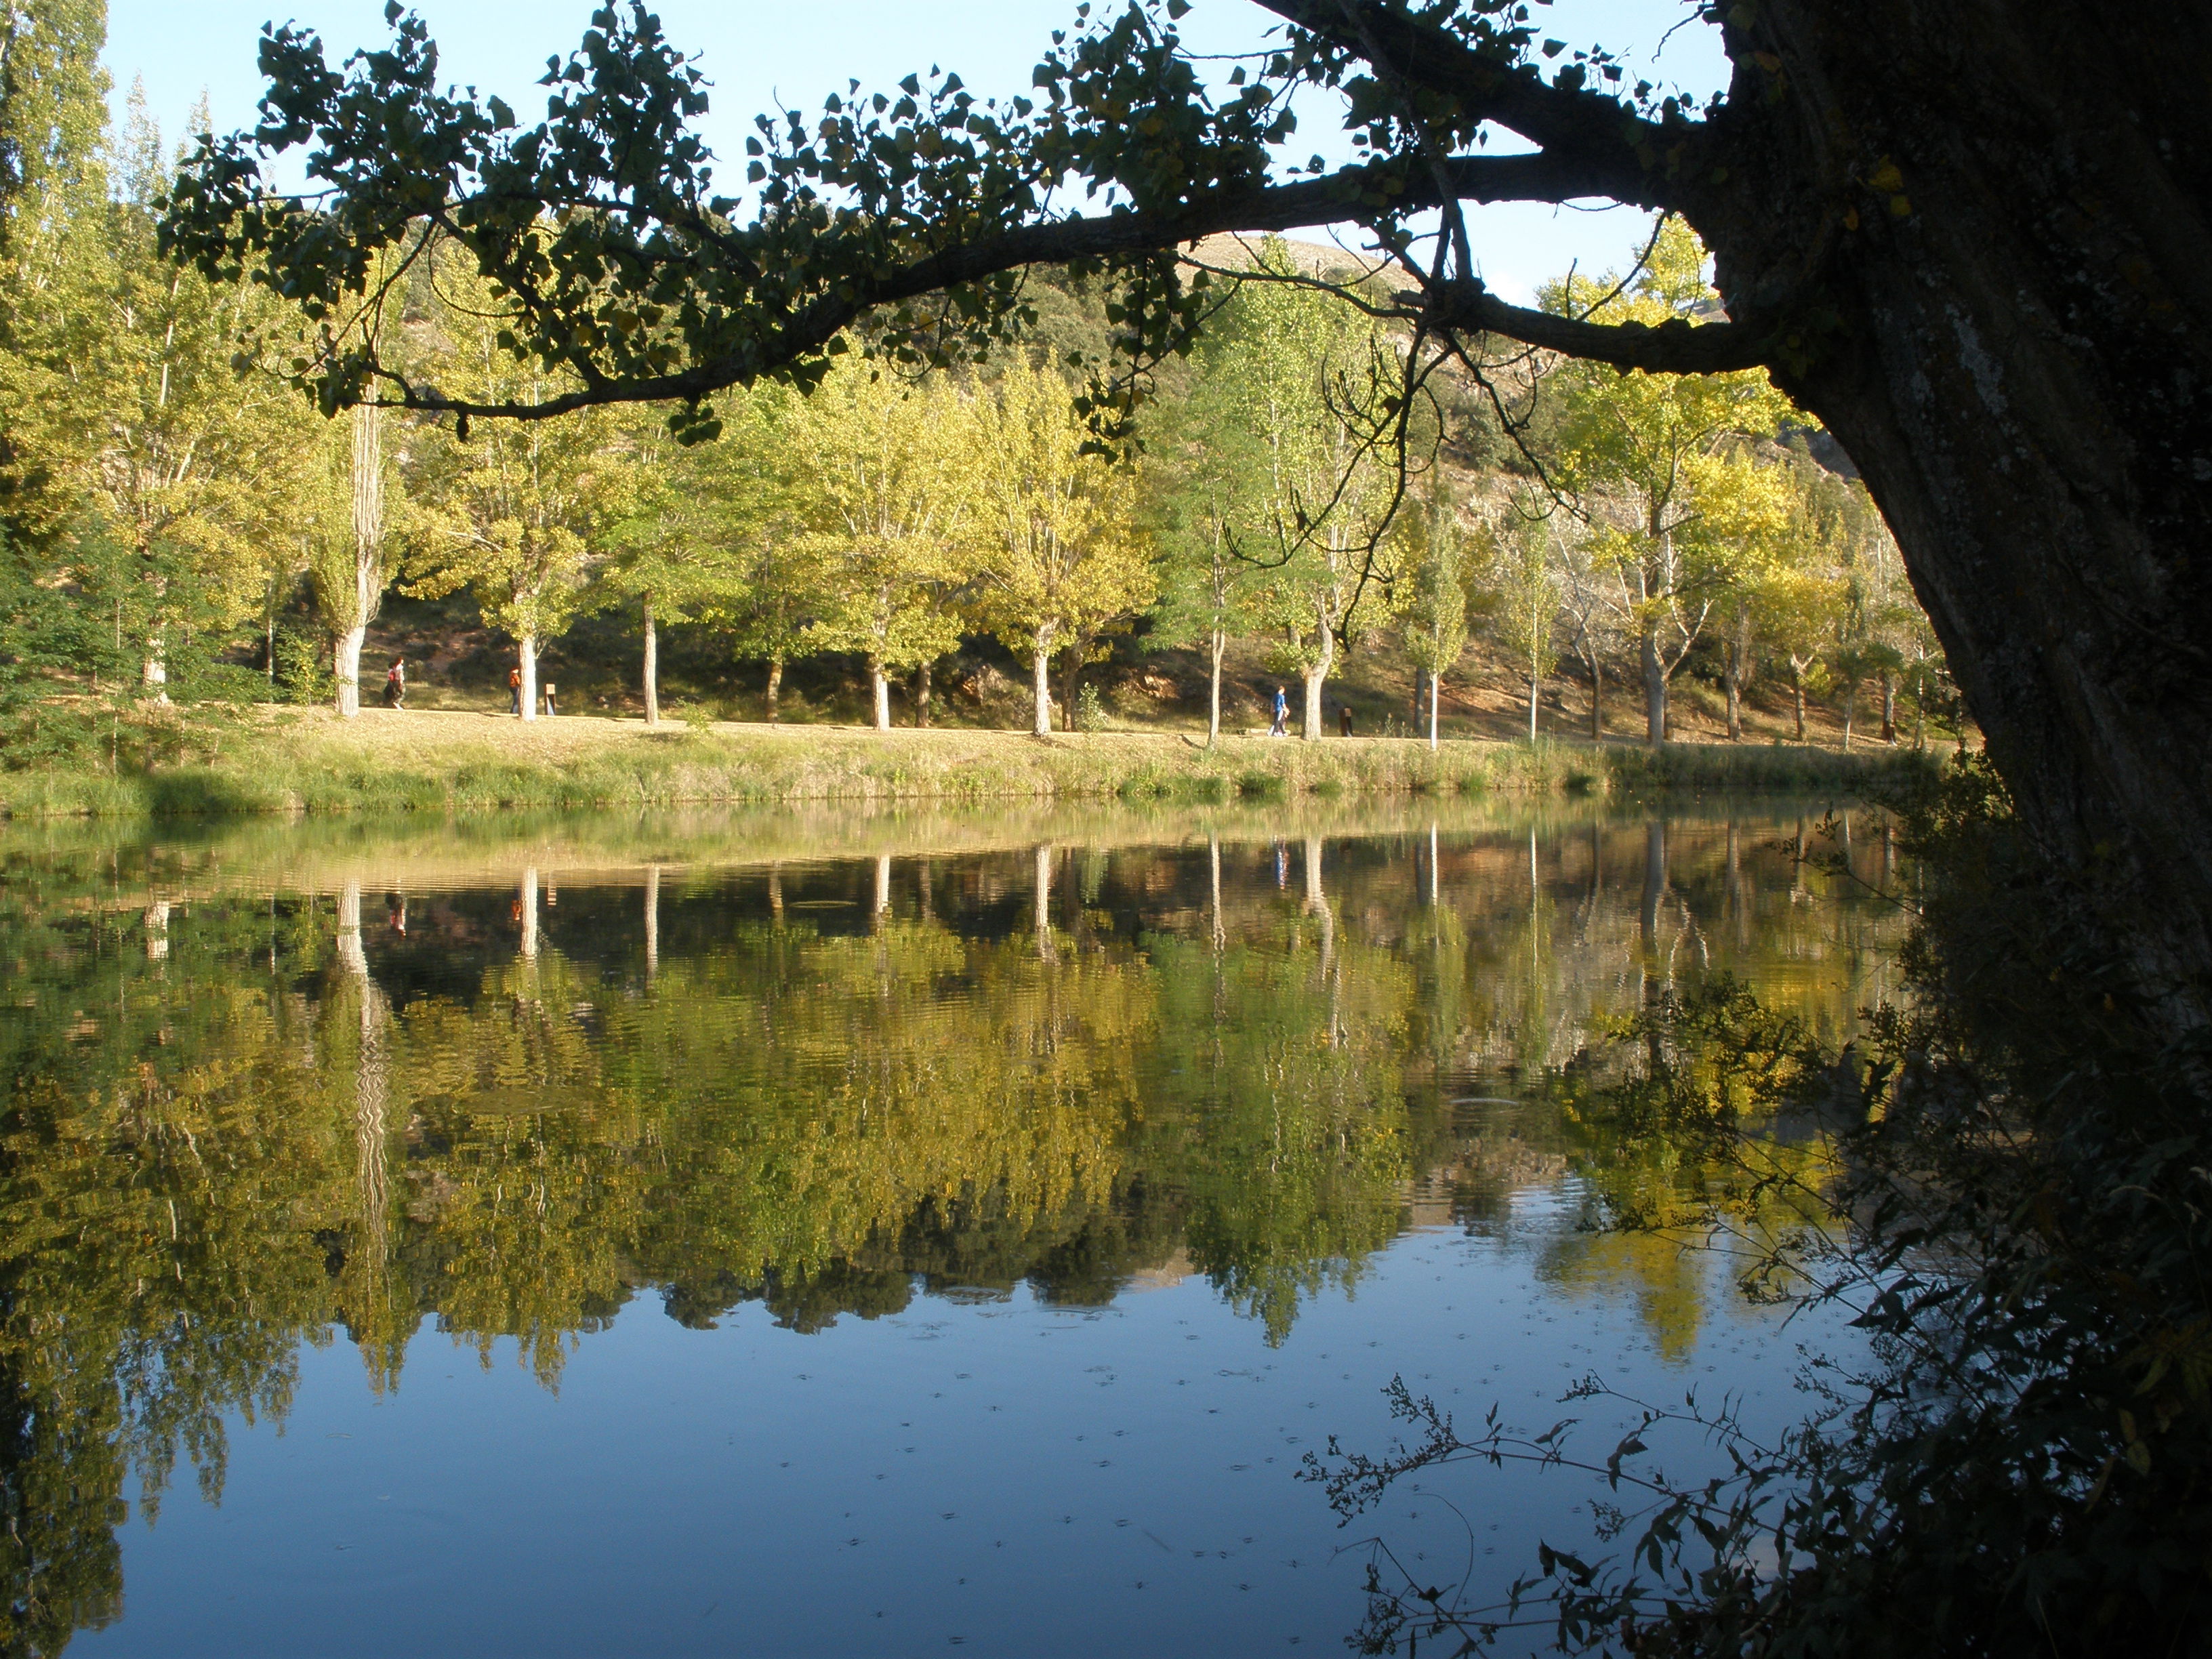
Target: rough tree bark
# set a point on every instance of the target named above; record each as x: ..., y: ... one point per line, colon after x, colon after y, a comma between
x: 345, y: 663
x: 1315, y: 677
x: 1655, y: 691
x: 363, y: 595
x: 525, y: 652
x: 880, y: 694
x: 2009, y: 226
x: 921, y: 678
x: 1041, y: 677
x: 775, y: 686
x: 652, y: 665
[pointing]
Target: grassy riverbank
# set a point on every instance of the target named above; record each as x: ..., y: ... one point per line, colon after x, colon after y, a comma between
x: 441, y: 762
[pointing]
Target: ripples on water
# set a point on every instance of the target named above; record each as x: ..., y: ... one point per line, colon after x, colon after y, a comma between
x: 787, y: 1236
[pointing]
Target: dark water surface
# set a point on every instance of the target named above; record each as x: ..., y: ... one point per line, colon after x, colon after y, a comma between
x: 793, y: 1235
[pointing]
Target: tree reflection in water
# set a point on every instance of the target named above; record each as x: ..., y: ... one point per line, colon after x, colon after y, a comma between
x: 236, y: 1123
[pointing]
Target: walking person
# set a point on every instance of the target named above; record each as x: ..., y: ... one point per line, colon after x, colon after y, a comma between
x: 1282, y: 726
x: 551, y: 691
x: 1344, y: 719
x: 395, y: 683
x: 514, y: 692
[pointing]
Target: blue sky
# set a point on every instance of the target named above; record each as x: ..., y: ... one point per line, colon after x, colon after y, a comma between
x: 767, y: 56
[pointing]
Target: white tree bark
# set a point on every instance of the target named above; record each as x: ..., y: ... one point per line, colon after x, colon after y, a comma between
x: 1043, y: 881
x: 358, y: 603
x: 1041, y: 672
x: 345, y: 663
x: 1315, y: 677
x: 525, y: 649
x: 880, y: 690
x: 1220, y: 641
x: 529, y: 898
x: 652, y: 666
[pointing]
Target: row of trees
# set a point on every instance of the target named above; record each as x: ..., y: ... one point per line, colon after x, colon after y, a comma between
x: 166, y: 497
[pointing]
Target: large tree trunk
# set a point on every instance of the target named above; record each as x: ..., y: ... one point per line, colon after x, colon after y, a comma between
x: 1315, y: 677
x: 1041, y: 677
x: 345, y: 663
x: 879, y: 693
x: 525, y: 651
x: 1597, y: 700
x: 367, y: 595
x: 1797, y: 695
x: 2014, y: 353
x: 1436, y: 699
x: 1655, y: 692
x: 652, y: 666
x: 774, y: 685
x: 922, y: 697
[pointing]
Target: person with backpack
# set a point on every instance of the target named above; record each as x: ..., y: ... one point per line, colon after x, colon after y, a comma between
x: 514, y: 692
x: 395, y: 683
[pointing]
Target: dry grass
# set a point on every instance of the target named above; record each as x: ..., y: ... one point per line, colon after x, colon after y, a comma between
x: 292, y: 761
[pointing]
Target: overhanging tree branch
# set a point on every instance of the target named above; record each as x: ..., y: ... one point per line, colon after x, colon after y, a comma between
x: 1595, y: 131
x: 1675, y: 348
x: 1353, y: 194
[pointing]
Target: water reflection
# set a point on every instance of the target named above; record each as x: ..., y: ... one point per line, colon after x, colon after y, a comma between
x: 296, y: 1084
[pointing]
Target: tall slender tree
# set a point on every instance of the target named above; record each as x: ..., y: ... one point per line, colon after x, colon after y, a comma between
x: 1434, y: 618
x: 1310, y: 380
x: 890, y: 488
x: 521, y: 513
x: 1055, y: 531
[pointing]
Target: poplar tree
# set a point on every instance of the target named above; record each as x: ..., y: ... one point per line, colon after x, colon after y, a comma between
x: 1434, y: 620
x: 184, y: 447
x: 1526, y: 592
x: 523, y: 513
x: 1055, y: 534
x: 889, y: 489
x: 1307, y: 377
x: 1209, y: 477
x: 766, y: 573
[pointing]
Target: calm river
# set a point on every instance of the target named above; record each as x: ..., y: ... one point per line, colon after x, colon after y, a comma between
x: 820, y: 1235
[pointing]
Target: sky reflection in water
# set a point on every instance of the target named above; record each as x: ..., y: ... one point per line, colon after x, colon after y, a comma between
x: 662, y: 1240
